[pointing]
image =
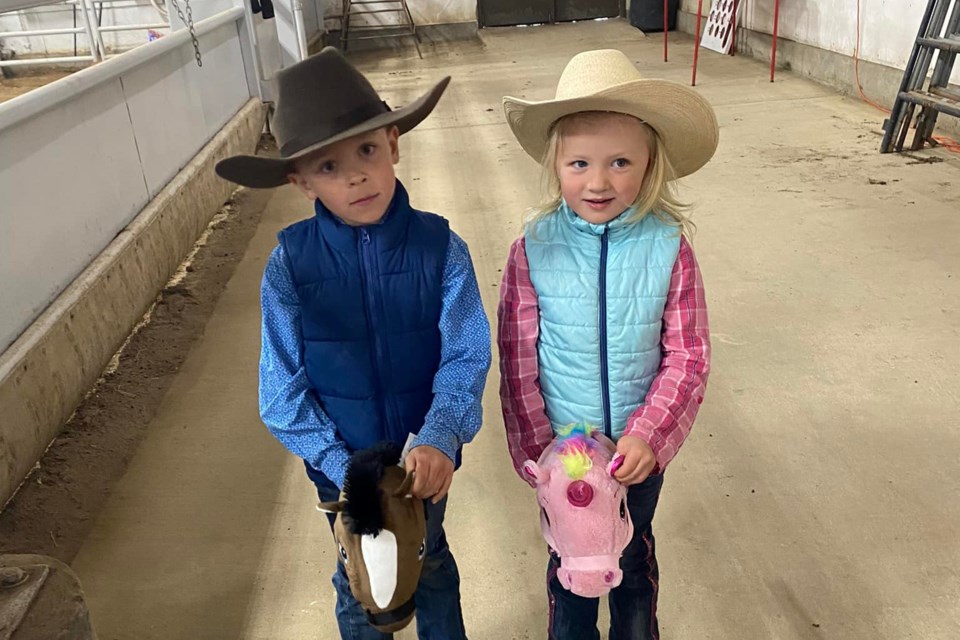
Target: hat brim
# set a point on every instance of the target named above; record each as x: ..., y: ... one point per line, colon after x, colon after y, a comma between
x: 262, y: 172
x: 683, y: 118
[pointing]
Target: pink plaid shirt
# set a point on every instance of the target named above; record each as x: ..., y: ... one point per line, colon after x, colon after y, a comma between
x: 664, y: 420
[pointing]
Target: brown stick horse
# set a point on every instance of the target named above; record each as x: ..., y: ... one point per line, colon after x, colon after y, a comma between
x: 380, y: 533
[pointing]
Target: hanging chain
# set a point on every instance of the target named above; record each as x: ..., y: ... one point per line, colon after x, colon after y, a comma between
x: 188, y: 22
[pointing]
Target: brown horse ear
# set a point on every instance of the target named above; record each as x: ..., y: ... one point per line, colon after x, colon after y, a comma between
x: 331, y: 507
x: 403, y: 490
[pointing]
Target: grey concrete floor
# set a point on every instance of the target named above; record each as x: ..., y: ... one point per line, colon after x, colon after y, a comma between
x: 818, y: 494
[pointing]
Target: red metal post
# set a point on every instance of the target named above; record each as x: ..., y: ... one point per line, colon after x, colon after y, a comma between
x: 696, y: 45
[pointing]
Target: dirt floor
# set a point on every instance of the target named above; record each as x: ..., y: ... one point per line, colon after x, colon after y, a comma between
x: 57, y: 504
x: 13, y: 87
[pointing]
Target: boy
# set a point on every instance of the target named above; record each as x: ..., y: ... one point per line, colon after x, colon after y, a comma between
x: 373, y: 327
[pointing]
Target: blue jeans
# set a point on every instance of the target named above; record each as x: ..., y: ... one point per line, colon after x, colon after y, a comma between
x: 633, y: 605
x: 439, y: 616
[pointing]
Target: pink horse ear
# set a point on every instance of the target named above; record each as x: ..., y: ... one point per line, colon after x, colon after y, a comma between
x: 615, y: 464
x: 531, y: 471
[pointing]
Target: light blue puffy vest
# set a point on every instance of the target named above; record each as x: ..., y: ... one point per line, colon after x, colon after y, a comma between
x: 601, y: 291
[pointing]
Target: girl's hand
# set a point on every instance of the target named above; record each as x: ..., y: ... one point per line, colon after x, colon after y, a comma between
x: 638, y: 460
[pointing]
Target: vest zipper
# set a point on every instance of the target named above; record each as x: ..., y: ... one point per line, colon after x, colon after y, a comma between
x: 368, y: 279
x: 604, y: 363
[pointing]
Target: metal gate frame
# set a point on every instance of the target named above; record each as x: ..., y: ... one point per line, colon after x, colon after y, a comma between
x: 90, y: 28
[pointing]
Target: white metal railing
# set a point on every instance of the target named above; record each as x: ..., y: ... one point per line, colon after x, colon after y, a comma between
x: 65, y: 89
x: 297, y: 27
x: 91, y: 28
x: 87, y: 29
x: 115, y: 133
x: 99, y: 29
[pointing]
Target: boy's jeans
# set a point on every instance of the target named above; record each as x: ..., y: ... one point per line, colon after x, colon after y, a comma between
x: 439, y: 616
x: 633, y: 605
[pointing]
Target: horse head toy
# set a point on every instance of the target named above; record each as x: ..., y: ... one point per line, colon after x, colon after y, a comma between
x: 380, y: 533
x: 583, y: 509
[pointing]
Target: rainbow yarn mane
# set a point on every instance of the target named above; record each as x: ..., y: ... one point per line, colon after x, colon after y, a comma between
x: 573, y: 448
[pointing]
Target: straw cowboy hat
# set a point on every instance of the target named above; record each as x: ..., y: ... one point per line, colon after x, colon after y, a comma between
x: 606, y: 80
x: 320, y: 101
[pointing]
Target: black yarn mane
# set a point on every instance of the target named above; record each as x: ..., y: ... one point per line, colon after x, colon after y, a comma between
x: 363, y: 511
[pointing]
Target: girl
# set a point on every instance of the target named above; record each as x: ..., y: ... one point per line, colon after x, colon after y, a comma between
x: 602, y: 315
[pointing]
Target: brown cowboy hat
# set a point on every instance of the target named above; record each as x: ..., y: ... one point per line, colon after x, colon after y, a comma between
x: 606, y: 80
x: 321, y: 101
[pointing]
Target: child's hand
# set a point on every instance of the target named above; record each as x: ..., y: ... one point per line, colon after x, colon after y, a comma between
x: 433, y: 473
x: 638, y: 460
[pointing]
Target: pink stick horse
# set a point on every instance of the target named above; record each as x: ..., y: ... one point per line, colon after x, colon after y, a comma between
x: 583, y: 510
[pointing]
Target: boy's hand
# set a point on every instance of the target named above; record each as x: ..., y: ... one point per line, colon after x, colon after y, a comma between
x: 433, y: 473
x: 638, y: 460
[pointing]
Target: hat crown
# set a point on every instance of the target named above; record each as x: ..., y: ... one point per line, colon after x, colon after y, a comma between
x: 318, y: 98
x: 590, y: 72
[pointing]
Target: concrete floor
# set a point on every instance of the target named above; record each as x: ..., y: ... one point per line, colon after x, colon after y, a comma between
x: 817, y: 497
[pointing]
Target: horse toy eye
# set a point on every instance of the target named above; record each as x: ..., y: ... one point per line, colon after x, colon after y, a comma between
x: 343, y: 553
x: 623, y: 510
x: 423, y: 550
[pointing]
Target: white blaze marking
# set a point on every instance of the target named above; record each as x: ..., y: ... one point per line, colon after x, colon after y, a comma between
x: 380, y: 557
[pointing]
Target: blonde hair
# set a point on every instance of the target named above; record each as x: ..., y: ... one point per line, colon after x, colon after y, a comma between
x: 657, y: 193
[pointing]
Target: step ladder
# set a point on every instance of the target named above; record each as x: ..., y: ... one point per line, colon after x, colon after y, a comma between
x: 404, y: 28
x: 939, y: 32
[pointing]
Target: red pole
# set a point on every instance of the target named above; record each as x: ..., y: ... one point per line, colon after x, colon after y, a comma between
x: 696, y: 45
x: 665, y: 30
x: 776, y: 24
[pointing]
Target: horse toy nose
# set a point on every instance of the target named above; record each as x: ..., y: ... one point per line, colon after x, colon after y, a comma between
x: 579, y: 493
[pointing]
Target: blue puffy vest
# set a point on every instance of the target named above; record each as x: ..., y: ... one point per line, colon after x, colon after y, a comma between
x: 370, y: 309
